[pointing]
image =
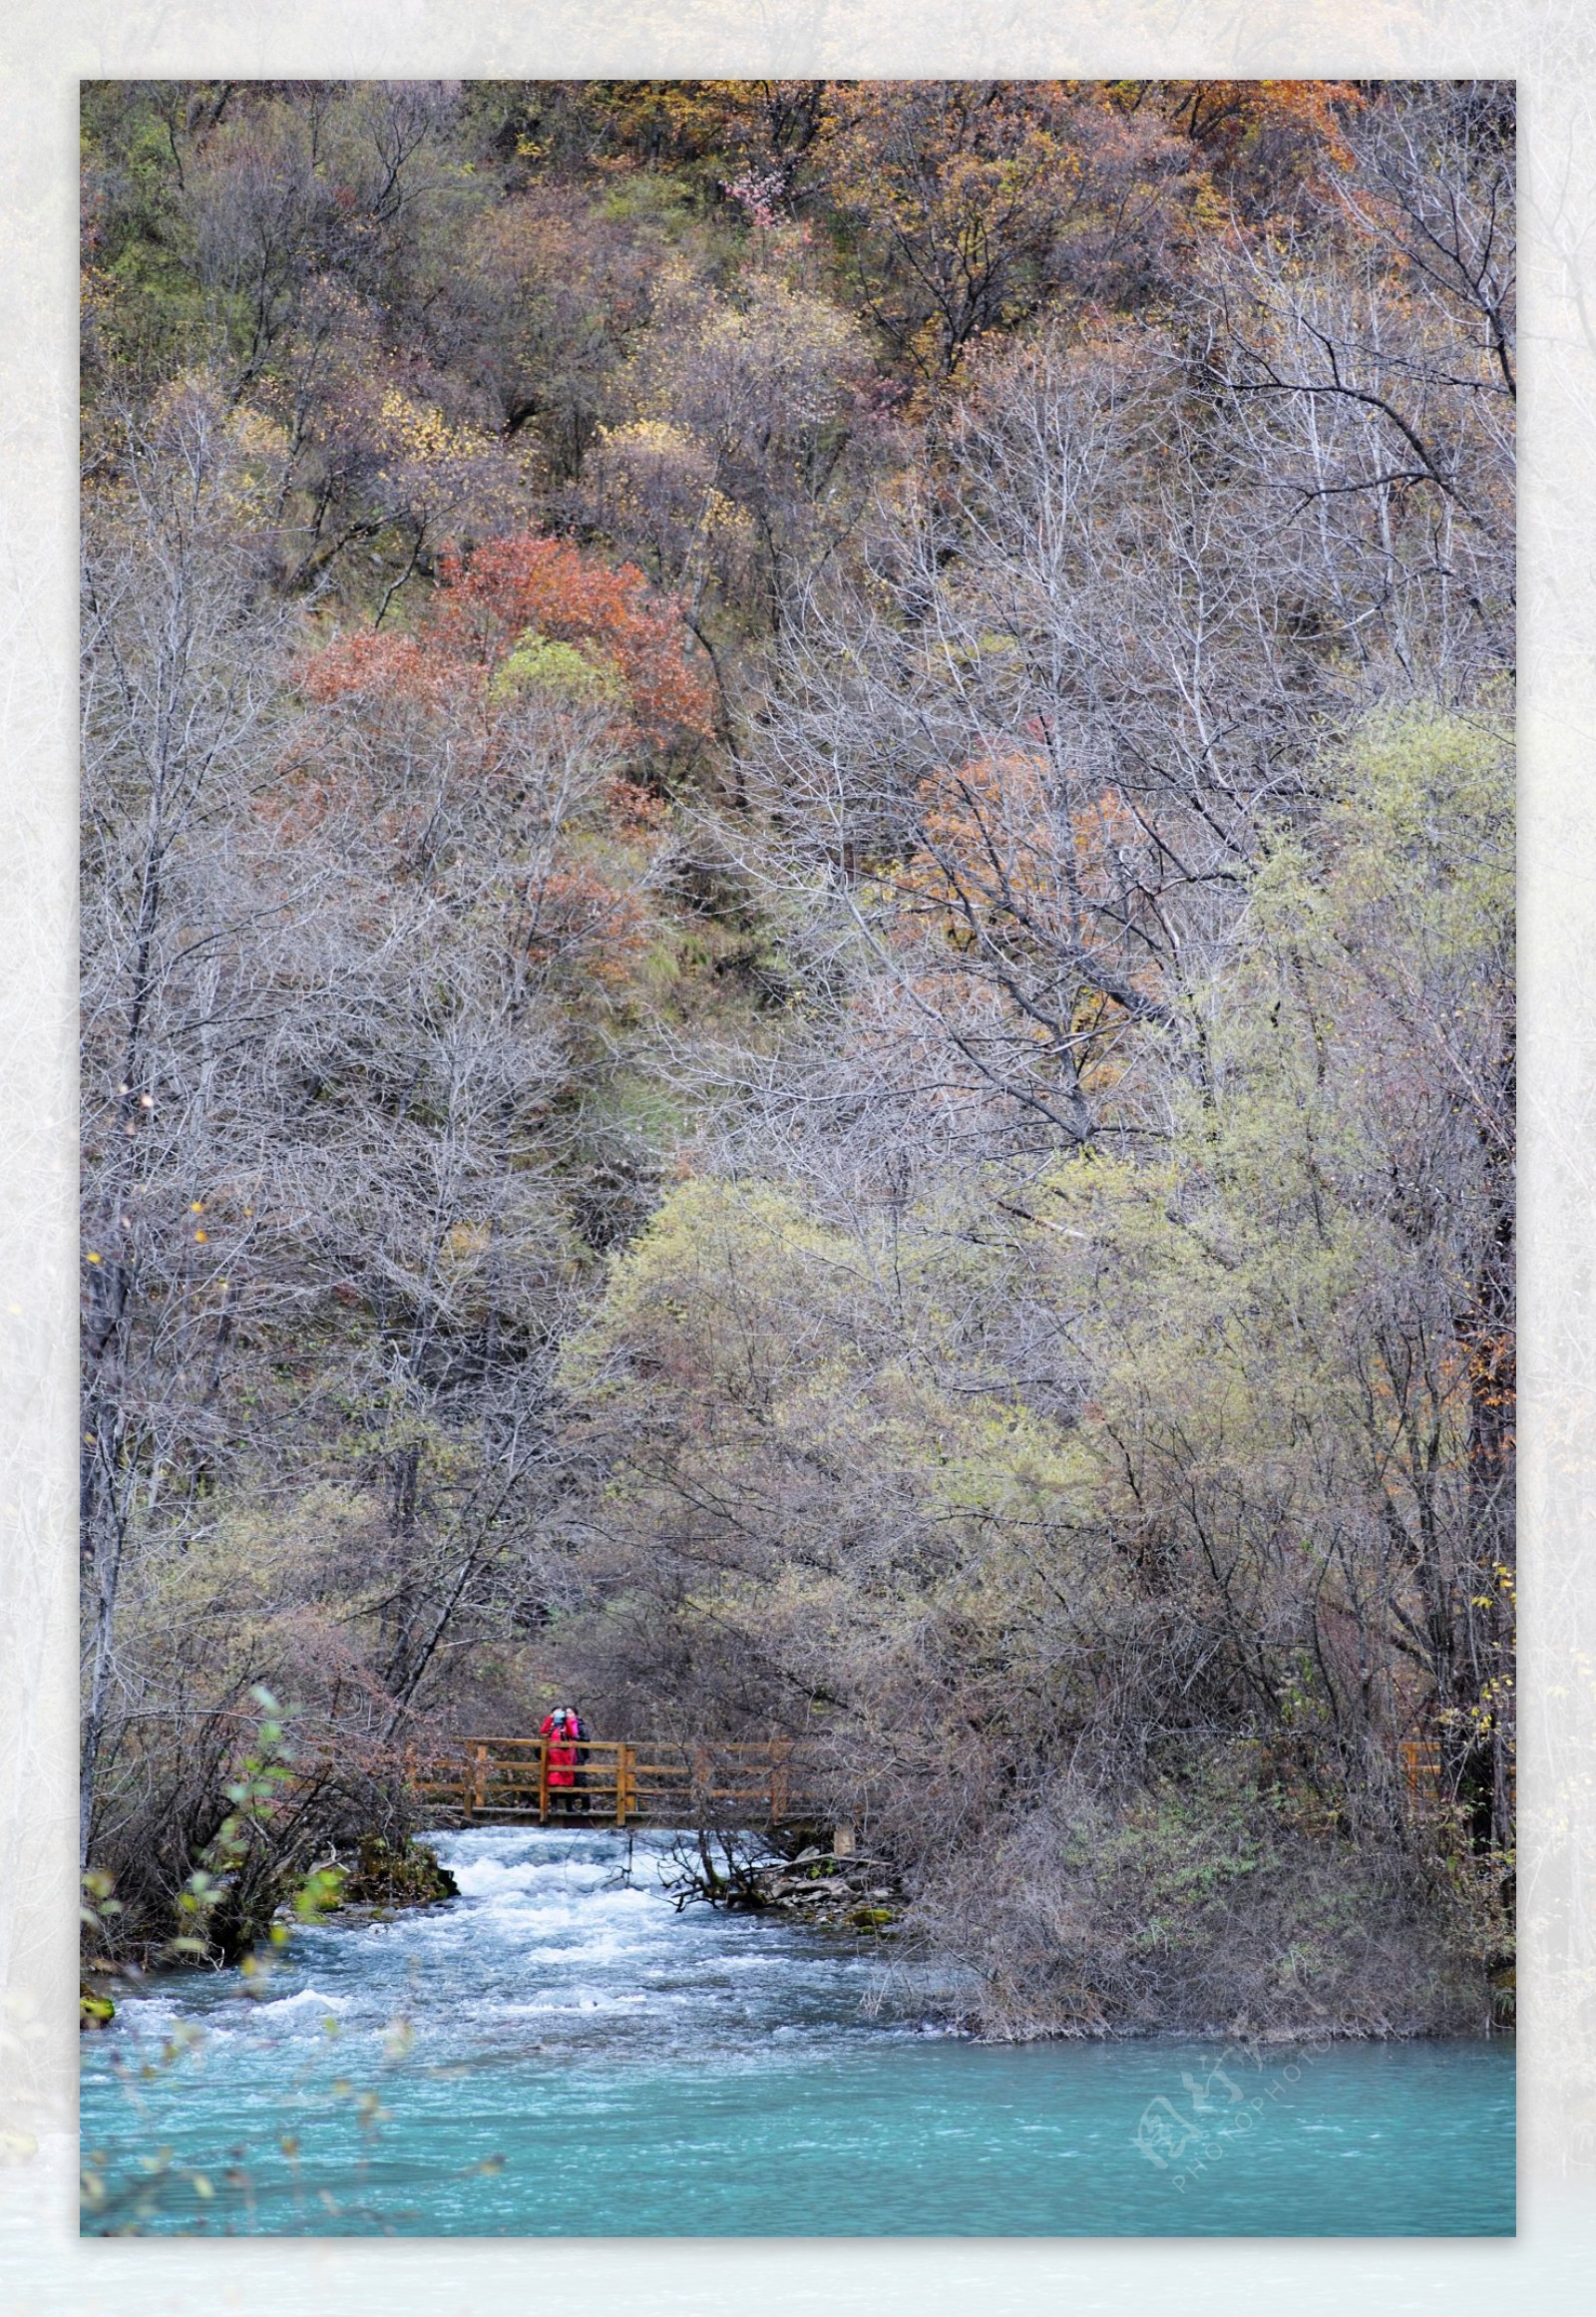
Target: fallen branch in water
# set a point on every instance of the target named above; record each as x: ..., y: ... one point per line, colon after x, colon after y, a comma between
x: 827, y: 1889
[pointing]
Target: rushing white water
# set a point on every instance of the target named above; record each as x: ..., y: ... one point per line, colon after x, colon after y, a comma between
x: 560, y: 2050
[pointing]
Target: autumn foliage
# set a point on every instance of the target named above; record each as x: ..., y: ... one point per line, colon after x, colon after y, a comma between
x: 930, y: 662
x: 514, y: 591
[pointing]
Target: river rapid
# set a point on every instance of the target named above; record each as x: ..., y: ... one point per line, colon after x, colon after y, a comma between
x: 560, y: 2051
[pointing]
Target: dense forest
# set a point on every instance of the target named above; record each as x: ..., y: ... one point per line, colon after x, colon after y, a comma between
x: 797, y: 969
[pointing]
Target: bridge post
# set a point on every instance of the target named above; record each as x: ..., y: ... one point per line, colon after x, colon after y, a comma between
x: 479, y: 1782
x: 626, y: 1782
x: 543, y: 1781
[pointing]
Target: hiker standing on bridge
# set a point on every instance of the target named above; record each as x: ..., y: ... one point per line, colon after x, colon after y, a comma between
x: 562, y: 1730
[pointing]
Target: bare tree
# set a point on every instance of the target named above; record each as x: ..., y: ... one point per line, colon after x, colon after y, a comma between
x: 181, y: 655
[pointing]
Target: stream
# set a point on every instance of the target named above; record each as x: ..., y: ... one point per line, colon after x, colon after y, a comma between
x: 559, y: 2052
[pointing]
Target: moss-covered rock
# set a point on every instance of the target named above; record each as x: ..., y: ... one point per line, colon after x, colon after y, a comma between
x: 396, y: 1874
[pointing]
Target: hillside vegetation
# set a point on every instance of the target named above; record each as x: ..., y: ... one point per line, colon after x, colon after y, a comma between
x: 798, y: 994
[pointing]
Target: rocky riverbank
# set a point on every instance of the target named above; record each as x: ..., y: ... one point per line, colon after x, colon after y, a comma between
x: 827, y: 1887
x: 370, y: 1876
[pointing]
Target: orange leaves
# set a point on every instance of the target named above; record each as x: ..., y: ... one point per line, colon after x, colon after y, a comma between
x: 1315, y: 107
x: 1023, y: 896
x: 552, y: 588
x: 1265, y: 133
x: 368, y: 663
x: 994, y: 846
x: 635, y: 811
x: 491, y: 754
x: 986, y: 840
x: 577, y: 919
x: 529, y: 588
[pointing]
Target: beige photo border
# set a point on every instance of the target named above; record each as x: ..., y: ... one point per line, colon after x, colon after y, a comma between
x: 46, y: 46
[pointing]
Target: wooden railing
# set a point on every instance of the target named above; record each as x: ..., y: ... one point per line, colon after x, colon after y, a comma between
x: 619, y: 1782
x: 1421, y: 1772
x: 1421, y: 1768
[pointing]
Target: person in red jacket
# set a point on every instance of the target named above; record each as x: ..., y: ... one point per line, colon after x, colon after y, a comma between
x: 560, y: 1728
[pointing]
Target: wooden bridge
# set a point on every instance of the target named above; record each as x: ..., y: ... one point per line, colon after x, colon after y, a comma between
x: 623, y: 1781
x: 620, y: 1781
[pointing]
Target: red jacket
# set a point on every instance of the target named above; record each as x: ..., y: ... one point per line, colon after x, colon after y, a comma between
x: 560, y: 1729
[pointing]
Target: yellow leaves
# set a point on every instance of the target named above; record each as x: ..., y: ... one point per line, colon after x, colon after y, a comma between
x: 567, y: 672
x: 465, y: 1242
x: 654, y: 437
x: 420, y: 432
x: 255, y: 435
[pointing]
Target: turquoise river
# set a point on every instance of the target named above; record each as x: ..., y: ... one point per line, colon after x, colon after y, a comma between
x: 560, y: 2051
